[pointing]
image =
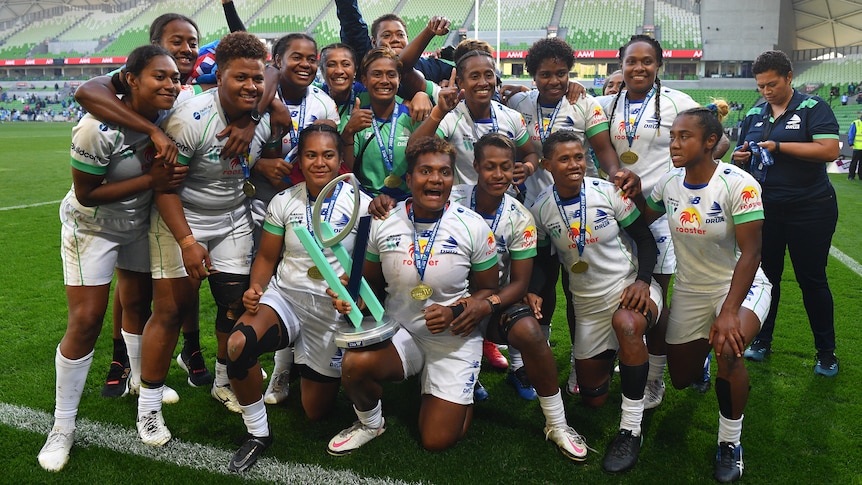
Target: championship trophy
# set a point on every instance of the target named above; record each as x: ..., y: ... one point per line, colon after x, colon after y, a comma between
x: 356, y: 331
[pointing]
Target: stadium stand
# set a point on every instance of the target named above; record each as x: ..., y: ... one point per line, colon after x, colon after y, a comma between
x: 38, y: 32
x: 839, y: 70
x: 415, y: 15
x: 517, y: 14
x: 99, y: 24
x: 327, y: 31
x: 211, y: 19
x: 680, y: 29
x: 601, y: 25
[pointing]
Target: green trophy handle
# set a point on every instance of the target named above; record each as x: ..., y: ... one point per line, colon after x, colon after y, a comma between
x: 365, y: 291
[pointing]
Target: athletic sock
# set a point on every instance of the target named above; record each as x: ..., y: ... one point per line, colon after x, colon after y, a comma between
x: 120, y: 353
x: 656, y: 367
x: 729, y: 430
x: 221, y: 379
x: 71, y: 378
x: 150, y: 398
x: 632, y: 415
x: 191, y: 342
x: 373, y: 418
x: 254, y: 416
x: 283, y: 361
x: 554, y: 411
x: 133, y: 347
x: 516, y: 361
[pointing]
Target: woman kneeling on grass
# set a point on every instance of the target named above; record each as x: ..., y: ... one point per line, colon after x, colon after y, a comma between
x: 719, y: 302
x: 105, y: 218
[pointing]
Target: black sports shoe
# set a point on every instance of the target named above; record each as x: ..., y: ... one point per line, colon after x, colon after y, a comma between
x: 117, y: 382
x: 249, y: 452
x: 194, y: 364
x: 622, y: 453
x: 827, y: 364
x: 728, y: 462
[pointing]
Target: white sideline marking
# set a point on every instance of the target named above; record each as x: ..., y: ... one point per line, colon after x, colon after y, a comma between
x: 179, y: 452
x: 25, y: 206
x: 847, y: 260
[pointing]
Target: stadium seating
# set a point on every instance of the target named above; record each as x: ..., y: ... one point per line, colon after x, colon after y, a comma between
x: 601, y: 25
x: 211, y: 19
x: 40, y: 31
x: 515, y: 14
x: 415, y: 15
x: 328, y: 30
x: 680, y: 29
x: 100, y: 24
x: 841, y: 70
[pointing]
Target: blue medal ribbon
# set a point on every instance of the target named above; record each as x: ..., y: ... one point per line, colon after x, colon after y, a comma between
x: 542, y: 133
x: 631, y: 130
x: 581, y: 239
x: 387, y: 152
x: 497, y: 216
x: 421, y: 256
x: 330, y: 206
x: 494, y: 126
x: 294, y: 133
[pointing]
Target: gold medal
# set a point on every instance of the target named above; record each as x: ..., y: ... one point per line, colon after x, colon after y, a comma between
x: 392, y: 181
x: 314, y: 273
x: 421, y: 292
x: 579, y: 266
x: 629, y: 157
x: 248, y: 188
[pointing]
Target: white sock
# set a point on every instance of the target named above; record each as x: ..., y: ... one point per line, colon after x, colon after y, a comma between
x: 221, y: 379
x: 373, y: 418
x: 729, y: 430
x: 71, y: 378
x: 283, y: 361
x: 254, y: 416
x: 632, y: 415
x: 554, y: 411
x: 516, y: 361
x: 150, y: 399
x: 133, y: 349
x: 656, y: 367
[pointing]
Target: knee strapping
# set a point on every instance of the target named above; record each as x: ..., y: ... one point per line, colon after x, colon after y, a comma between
x: 237, y: 368
x: 511, y: 316
x: 227, y: 290
x: 595, y: 391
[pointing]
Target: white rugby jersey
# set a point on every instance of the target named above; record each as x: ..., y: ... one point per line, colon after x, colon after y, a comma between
x: 652, y: 148
x: 702, y: 221
x: 586, y: 118
x: 462, y: 132
x: 117, y: 154
x: 463, y: 243
x: 290, y: 208
x: 608, y: 254
x: 515, y: 232
x: 212, y: 182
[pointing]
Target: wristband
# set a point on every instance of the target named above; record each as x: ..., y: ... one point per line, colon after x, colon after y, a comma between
x: 777, y: 146
x: 457, y: 310
x: 431, y: 115
x: 187, y: 241
x: 494, y: 301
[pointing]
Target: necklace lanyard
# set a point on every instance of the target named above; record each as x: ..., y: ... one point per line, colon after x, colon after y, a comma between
x: 243, y: 159
x: 294, y: 133
x: 329, y: 206
x: 542, y: 133
x: 497, y: 216
x: 631, y: 130
x: 348, y: 105
x: 387, y: 152
x: 421, y: 255
x: 494, y: 126
x: 581, y: 240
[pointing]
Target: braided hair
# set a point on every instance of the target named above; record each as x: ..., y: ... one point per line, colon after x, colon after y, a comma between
x: 659, y: 60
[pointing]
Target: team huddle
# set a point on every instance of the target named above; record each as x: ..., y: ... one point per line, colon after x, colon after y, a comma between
x: 197, y: 164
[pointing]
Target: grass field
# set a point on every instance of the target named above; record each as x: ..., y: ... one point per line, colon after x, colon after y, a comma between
x: 799, y: 428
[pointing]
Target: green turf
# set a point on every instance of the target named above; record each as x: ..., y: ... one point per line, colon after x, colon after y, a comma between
x: 799, y: 428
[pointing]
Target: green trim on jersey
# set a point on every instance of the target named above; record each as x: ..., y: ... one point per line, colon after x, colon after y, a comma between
x: 183, y: 160
x: 523, y: 140
x: 523, y: 254
x: 374, y: 258
x: 273, y: 229
x: 543, y: 243
x: 631, y: 218
x: 748, y: 217
x: 656, y: 206
x: 595, y: 130
x: 822, y: 137
x: 490, y: 263
x: 90, y: 169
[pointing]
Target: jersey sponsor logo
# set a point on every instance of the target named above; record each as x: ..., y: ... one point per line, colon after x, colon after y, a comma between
x: 750, y: 198
x: 575, y: 232
x: 598, y: 114
x: 341, y: 222
x: 793, y: 123
x: 412, y: 249
x: 601, y: 219
x: 502, y: 245
x: 84, y: 153
x: 392, y: 242
x: 690, y: 221
x: 714, y: 215
x: 529, y: 237
x: 758, y: 124
x: 103, y: 127
x: 491, y: 242
x: 449, y: 246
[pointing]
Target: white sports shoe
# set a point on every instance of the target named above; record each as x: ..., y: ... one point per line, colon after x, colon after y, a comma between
x: 55, y: 453
x: 152, y: 429
x: 225, y: 395
x: 278, y: 388
x: 654, y: 393
x: 169, y: 395
x: 352, y: 438
x: 572, y: 383
x: 569, y: 442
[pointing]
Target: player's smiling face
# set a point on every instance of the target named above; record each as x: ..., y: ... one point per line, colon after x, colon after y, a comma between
x: 640, y: 67
x: 613, y: 84
x: 180, y: 38
x: 319, y: 160
x: 495, y: 170
x: 240, y: 84
x: 478, y: 79
x: 552, y: 80
x: 156, y: 87
x: 298, y: 64
x: 339, y: 71
x: 568, y: 165
x: 430, y: 182
x: 392, y: 34
x: 381, y: 79
x: 687, y: 143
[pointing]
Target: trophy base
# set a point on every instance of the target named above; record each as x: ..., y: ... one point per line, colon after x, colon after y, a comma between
x: 371, y: 332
